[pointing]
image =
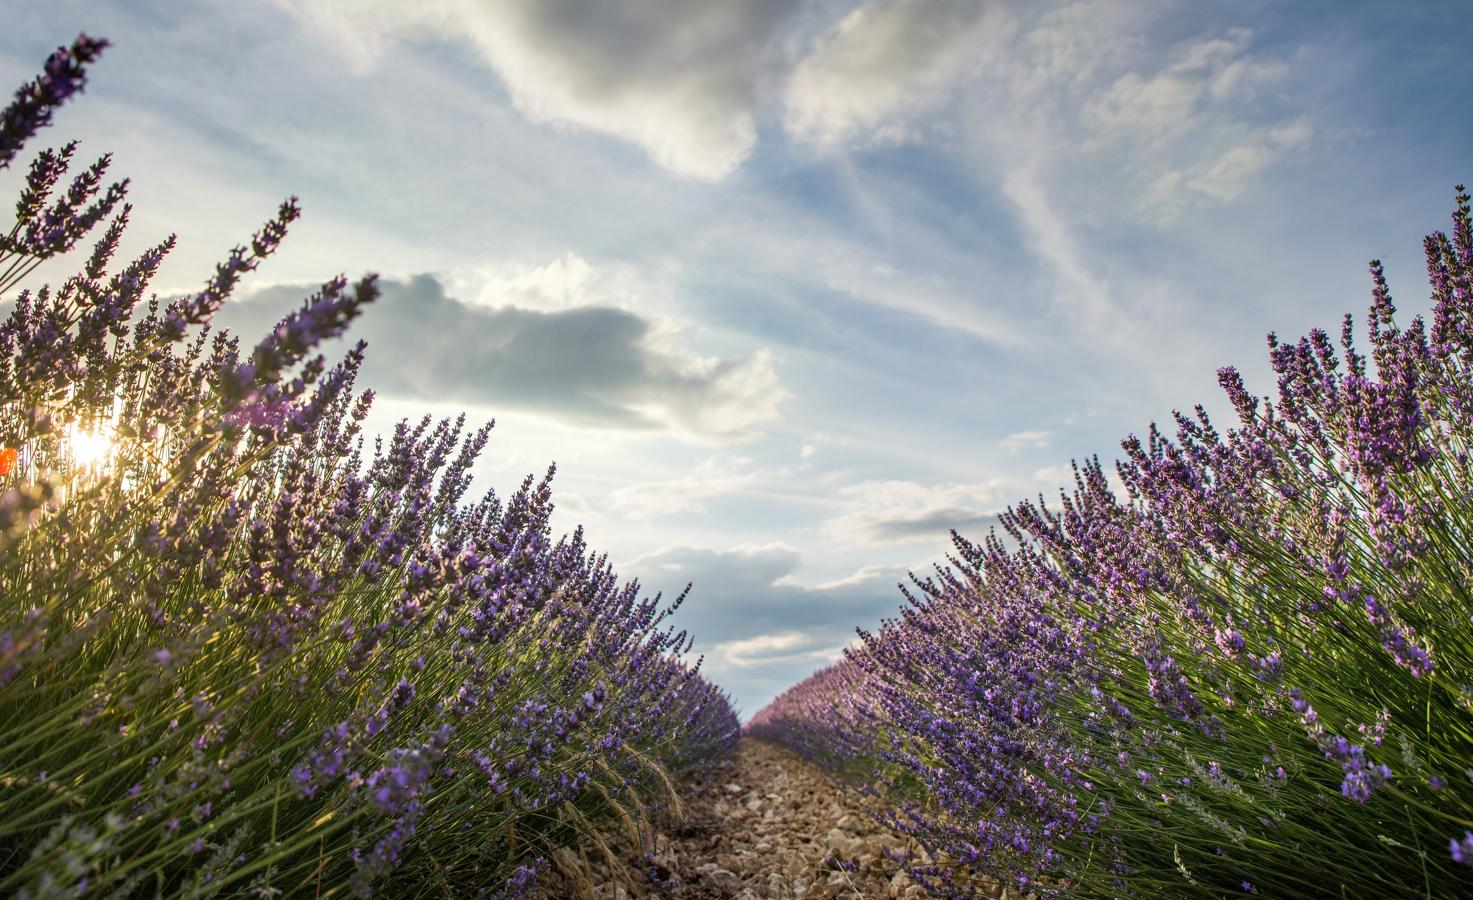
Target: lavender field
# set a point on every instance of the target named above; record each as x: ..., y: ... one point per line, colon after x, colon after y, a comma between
x: 268, y: 629
x: 1250, y: 673
x: 244, y: 654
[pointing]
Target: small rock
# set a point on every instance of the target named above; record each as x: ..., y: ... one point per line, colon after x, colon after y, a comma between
x: 722, y: 880
x: 733, y: 788
x: 849, y: 824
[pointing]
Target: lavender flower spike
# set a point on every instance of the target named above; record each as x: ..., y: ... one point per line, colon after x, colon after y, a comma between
x: 65, y: 74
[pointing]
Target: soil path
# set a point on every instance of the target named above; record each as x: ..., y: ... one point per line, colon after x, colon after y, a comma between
x: 766, y: 826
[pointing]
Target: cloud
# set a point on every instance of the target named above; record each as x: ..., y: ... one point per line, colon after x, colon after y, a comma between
x: 1151, y: 108
x: 1174, y: 122
x: 1225, y: 177
x: 952, y: 289
x: 592, y: 365
x: 784, y: 648
x: 682, y: 80
x: 1055, y: 476
x: 1147, y: 107
x: 1069, y: 45
x: 1077, y: 289
x: 1026, y: 440
x: 567, y: 282
x: 935, y: 299
x: 1090, y: 127
x: 887, y: 512
x: 773, y: 630
x: 880, y: 65
x: 932, y: 523
x: 1230, y: 173
x: 750, y: 589
x: 1192, y: 127
x: 688, y: 493
x: 865, y: 575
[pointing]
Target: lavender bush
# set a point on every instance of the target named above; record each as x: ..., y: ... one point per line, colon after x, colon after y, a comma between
x: 240, y: 652
x: 1252, y: 674
x: 826, y: 720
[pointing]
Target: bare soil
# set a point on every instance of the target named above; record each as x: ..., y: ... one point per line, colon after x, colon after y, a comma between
x: 767, y: 826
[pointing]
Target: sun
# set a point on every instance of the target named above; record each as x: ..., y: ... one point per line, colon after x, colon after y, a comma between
x: 90, y: 448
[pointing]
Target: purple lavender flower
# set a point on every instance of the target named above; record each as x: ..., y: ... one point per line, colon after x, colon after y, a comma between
x: 65, y: 74
x: 1461, y: 849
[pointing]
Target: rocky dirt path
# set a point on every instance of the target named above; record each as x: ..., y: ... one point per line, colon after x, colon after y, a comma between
x: 767, y: 826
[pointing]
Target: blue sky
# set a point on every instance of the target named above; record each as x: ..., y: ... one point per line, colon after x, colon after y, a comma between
x: 787, y: 289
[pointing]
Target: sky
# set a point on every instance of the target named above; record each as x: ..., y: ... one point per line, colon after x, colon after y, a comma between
x: 788, y: 289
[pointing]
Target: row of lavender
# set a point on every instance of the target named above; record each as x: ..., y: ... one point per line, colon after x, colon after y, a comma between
x: 1252, y: 674
x: 238, y: 654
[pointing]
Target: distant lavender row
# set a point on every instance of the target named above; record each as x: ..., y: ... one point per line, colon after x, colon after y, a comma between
x: 240, y: 654
x: 1253, y: 675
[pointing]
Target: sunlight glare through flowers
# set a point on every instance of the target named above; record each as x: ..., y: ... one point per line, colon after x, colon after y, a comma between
x: 89, y: 448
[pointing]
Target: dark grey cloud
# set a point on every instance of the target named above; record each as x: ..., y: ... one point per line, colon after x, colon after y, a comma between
x: 593, y: 365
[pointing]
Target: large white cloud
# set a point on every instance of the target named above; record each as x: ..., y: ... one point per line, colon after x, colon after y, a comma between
x: 684, y: 80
